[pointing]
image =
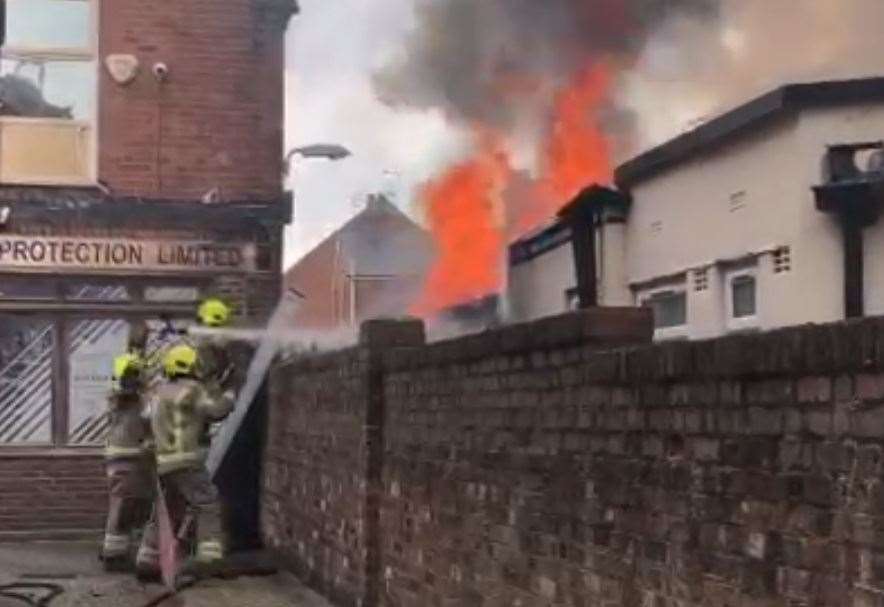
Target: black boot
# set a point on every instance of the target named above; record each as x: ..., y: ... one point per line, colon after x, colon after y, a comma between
x: 116, y: 564
x: 148, y: 573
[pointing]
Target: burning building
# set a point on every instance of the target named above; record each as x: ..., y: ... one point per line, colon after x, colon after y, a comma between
x: 140, y: 170
x: 763, y: 217
x: 374, y: 265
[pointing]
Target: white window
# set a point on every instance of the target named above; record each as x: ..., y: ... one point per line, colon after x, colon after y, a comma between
x: 670, y: 307
x: 48, y: 92
x: 742, y: 299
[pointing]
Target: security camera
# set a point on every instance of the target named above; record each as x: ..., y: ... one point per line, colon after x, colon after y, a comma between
x: 161, y: 71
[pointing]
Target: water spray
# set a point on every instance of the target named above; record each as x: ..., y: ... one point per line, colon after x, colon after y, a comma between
x: 268, y: 346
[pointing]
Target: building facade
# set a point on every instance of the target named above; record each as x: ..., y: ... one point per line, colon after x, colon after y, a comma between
x: 140, y: 170
x: 374, y: 265
x: 542, y: 278
x: 763, y: 217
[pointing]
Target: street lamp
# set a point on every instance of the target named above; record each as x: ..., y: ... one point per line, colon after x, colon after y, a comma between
x: 328, y: 151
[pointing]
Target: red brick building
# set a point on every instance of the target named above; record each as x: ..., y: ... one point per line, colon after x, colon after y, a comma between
x: 140, y: 170
x: 373, y: 266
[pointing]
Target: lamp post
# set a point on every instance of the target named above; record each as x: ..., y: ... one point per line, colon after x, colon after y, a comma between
x: 327, y: 151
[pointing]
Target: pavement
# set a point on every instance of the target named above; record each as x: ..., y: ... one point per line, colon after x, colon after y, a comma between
x: 68, y: 574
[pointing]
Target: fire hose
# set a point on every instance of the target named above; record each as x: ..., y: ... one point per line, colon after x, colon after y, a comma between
x: 23, y: 591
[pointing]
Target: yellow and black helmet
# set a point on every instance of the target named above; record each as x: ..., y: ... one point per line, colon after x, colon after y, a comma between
x: 127, y: 365
x: 214, y: 313
x: 180, y: 360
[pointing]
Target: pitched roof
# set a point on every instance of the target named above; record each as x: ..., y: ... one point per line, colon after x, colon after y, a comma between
x: 379, y: 240
x: 777, y: 103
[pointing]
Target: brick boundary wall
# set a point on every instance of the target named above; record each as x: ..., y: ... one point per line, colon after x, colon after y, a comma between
x: 52, y: 495
x: 526, y: 467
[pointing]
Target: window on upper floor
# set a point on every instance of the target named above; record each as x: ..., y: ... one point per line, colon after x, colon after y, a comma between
x: 742, y: 299
x: 670, y: 308
x: 743, y: 296
x: 48, y: 92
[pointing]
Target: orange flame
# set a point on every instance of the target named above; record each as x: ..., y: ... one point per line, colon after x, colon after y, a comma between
x: 577, y: 152
x: 463, y: 205
x: 463, y: 210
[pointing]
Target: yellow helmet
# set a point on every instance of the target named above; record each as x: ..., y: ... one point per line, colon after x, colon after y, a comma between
x: 214, y: 313
x: 126, y: 365
x: 180, y: 360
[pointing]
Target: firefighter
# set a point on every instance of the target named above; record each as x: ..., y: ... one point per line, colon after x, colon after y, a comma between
x: 181, y: 408
x: 215, y: 364
x: 128, y: 463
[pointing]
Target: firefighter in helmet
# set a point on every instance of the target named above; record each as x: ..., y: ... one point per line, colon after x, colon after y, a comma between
x: 215, y: 359
x: 128, y: 460
x: 182, y: 406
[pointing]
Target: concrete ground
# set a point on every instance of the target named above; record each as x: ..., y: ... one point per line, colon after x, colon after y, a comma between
x: 69, y: 575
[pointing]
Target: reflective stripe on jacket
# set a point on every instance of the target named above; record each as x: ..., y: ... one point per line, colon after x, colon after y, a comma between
x: 180, y: 413
x: 128, y: 431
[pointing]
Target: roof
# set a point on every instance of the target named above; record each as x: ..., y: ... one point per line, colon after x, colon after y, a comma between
x: 551, y: 235
x: 538, y: 242
x: 775, y: 104
x: 380, y: 240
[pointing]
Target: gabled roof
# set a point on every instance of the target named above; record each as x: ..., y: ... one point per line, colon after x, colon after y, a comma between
x: 379, y: 240
x: 775, y: 104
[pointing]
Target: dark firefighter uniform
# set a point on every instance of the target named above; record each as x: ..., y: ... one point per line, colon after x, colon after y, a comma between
x: 128, y: 463
x: 182, y: 407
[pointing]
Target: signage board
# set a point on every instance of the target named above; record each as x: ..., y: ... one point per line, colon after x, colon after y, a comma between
x: 115, y: 254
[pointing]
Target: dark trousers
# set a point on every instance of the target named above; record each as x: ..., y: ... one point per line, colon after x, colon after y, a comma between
x: 130, y: 490
x: 195, y: 509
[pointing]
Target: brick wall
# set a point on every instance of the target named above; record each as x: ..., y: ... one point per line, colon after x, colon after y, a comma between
x: 323, y: 488
x: 523, y: 469
x: 316, y: 470
x: 52, y: 495
x: 216, y: 121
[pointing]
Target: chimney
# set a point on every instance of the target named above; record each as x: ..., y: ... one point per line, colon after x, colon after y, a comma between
x: 582, y: 214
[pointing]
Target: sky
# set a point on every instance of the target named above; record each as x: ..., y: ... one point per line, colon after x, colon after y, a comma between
x: 332, y: 48
x: 688, y: 67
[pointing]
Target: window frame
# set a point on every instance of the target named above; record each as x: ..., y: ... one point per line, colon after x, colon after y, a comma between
x: 679, y: 331
x: 52, y: 325
x: 741, y: 323
x: 89, y: 54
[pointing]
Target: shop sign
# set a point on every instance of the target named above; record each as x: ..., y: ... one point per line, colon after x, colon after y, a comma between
x: 91, y: 254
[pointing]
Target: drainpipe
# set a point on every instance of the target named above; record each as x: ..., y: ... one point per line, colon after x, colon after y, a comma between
x: 582, y: 223
x: 852, y: 233
x: 856, y: 202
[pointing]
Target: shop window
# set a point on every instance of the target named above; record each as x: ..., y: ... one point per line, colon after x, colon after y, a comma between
x: 28, y: 288
x: 171, y: 294
x: 92, y: 346
x: 669, y: 307
x: 48, y: 90
x: 26, y: 380
x: 97, y: 292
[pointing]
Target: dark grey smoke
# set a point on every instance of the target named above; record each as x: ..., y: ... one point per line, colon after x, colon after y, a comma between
x: 759, y: 45
x: 494, y: 61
